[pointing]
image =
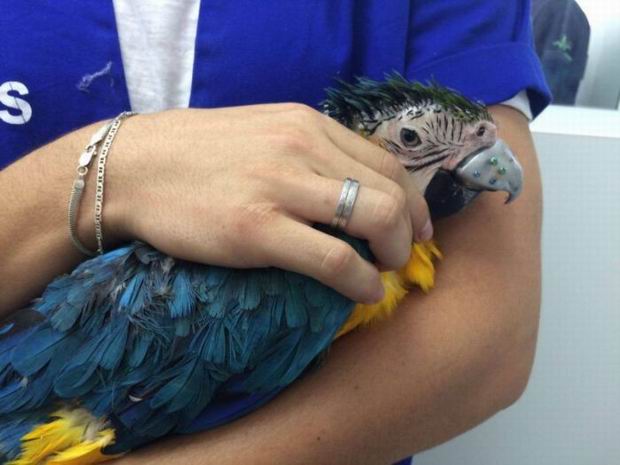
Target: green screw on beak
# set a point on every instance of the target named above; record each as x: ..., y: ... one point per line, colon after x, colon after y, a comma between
x: 479, y: 171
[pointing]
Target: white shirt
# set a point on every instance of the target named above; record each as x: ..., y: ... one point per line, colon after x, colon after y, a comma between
x: 158, y: 40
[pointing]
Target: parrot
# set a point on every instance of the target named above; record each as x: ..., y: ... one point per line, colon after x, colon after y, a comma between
x: 134, y: 345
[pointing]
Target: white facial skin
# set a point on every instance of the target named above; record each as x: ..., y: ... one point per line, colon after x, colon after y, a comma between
x: 426, y: 140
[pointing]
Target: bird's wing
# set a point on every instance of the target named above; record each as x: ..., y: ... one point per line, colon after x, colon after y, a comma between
x: 149, y: 339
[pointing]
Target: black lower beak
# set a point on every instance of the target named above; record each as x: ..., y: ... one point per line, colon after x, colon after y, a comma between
x: 446, y: 195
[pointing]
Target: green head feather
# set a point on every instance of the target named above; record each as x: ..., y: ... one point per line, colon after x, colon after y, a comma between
x: 365, y: 97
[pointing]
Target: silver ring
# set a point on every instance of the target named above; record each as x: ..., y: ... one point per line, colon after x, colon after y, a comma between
x: 346, y: 202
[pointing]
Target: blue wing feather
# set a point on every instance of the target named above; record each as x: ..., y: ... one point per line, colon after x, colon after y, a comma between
x: 153, y: 340
x: 36, y: 351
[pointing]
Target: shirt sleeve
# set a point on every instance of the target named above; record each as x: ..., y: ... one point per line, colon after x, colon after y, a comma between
x: 521, y: 102
x: 482, y: 48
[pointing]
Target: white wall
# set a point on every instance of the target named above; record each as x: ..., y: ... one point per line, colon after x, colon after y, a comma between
x: 601, y: 83
x: 570, y: 413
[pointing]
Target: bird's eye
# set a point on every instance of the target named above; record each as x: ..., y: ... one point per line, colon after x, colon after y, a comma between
x: 481, y: 131
x: 409, y: 137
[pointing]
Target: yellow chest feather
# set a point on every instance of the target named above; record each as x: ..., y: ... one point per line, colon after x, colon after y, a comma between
x: 419, y: 271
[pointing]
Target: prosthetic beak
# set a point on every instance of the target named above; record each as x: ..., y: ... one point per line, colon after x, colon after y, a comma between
x: 492, y: 169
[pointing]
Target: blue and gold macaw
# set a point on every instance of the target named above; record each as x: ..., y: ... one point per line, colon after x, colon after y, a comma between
x: 134, y: 345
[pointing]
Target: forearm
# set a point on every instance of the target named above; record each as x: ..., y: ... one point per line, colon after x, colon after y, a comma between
x: 34, y: 239
x: 442, y: 364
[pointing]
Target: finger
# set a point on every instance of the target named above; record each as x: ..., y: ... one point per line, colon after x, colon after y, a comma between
x: 385, y: 164
x: 343, y: 167
x: 281, y: 107
x: 295, y: 246
x: 354, y: 154
x: 378, y: 217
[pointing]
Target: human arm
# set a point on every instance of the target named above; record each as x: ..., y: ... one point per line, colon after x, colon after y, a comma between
x: 34, y: 240
x: 444, y: 363
x: 191, y: 183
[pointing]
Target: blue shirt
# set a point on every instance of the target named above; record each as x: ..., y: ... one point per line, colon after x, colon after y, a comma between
x: 255, y: 52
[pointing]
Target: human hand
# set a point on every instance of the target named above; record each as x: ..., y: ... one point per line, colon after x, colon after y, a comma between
x: 241, y: 187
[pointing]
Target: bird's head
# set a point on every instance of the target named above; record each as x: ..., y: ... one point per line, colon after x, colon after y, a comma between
x: 447, y: 142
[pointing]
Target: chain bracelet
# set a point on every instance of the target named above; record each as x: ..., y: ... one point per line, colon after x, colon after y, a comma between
x: 78, y: 187
x: 103, y: 157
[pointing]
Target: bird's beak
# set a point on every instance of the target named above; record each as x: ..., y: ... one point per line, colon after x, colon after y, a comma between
x: 493, y: 169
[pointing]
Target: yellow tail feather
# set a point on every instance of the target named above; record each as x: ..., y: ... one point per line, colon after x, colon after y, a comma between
x: 74, y: 437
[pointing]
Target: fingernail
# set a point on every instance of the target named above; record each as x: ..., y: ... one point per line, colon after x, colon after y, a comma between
x: 426, y: 234
x: 377, y: 296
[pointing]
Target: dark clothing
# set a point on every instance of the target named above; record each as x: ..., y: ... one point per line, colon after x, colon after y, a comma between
x: 562, y: 36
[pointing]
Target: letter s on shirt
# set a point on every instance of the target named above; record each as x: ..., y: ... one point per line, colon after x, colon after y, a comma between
x: 9, y: 100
